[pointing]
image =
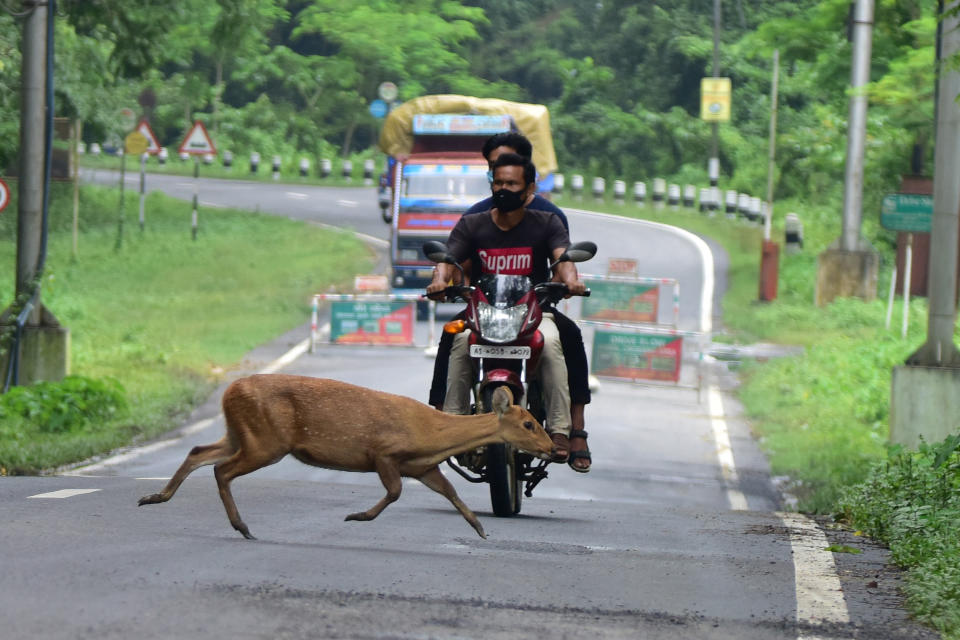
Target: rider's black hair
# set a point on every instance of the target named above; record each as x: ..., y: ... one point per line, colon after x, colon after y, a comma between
x: 514, y: 160
x: 512, y: 139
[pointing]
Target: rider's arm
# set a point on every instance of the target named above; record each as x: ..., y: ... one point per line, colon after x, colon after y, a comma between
x: 566, y: 272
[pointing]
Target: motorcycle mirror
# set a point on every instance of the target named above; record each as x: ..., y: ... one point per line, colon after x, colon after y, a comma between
x: 577, y: 252
x: 581, y: 251
x: 436, y: 251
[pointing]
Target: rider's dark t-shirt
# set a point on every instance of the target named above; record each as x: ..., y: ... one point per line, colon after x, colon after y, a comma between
x: 523, y: 250
x: 538, y: 202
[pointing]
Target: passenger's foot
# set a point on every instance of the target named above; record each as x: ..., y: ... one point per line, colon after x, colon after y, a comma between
x: 579, y: 460
x: 561, y: 447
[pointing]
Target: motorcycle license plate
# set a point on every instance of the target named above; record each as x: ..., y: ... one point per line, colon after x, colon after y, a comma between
x: 497, y: 351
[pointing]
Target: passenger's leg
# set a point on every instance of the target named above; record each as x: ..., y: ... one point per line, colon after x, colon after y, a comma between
x: 459, y: 376
x: 553, y: 376
x: 438, y: 388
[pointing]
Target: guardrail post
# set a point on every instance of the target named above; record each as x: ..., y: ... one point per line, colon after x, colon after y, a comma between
x: 558, y: 183
x: 640, y: 192
x: 313, y: 324
x: 347, y: 170
x: 254, y: 162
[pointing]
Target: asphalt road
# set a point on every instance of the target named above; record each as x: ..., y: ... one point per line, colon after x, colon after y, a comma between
x: 675, y: 533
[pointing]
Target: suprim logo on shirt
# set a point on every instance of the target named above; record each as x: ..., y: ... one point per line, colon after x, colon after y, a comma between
x: 515, y: 261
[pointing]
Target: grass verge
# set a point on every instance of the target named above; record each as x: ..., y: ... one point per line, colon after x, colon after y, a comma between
x: 163, y: 315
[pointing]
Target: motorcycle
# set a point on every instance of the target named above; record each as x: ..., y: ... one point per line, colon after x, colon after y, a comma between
x: 503, y: 314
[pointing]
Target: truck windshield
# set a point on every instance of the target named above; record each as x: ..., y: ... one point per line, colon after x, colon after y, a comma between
x: 469, y: 186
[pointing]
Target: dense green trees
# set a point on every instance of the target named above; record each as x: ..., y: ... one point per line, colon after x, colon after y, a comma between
x: 622, y: 77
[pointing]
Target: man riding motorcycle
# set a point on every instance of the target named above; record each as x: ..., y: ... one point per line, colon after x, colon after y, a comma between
x: 511, y: 239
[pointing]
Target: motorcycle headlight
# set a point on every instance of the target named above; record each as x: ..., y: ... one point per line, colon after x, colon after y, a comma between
x: 500, y: 325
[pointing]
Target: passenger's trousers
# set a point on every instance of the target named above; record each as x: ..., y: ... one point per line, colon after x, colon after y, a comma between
x: 552, y: 372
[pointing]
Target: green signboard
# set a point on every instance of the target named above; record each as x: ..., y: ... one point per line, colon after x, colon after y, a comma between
x: 636, y: 355
x: 621, y: 301
x: 372, y: 323
x: 907, y: 212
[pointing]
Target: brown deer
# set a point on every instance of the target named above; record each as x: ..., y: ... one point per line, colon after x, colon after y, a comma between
x: 335, y: 425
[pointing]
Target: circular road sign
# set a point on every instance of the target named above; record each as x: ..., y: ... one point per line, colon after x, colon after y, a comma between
x: 378, y: 108
x: 4, y: 194
x: 135, y: 143
x: 388, y: 91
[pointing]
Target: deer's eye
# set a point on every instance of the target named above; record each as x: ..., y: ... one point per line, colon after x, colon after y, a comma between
x: 528, y: 425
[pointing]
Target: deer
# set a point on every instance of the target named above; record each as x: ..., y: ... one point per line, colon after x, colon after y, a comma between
x: 337, y: 425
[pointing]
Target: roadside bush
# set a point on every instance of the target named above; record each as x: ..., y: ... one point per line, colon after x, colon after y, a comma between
x: 912, y: 503
x: 60, y: 407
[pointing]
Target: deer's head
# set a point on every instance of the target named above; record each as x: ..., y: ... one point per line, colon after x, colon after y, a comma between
x: 518, y: 426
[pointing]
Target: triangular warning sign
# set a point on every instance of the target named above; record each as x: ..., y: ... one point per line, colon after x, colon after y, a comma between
x: 153, y: 146
x: 198, y: 141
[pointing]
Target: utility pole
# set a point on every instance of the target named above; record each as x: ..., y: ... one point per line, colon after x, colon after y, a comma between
x: 850, y: 266
x: 40, y: 347
x: 925, y: 399
x: 713, y: 168
x: 32, y: 131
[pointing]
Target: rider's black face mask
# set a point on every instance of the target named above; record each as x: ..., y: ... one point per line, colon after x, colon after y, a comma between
x: 507, y: 201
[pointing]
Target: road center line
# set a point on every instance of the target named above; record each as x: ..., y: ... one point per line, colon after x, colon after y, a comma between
x: 64, y: 493
x: 348, y: 203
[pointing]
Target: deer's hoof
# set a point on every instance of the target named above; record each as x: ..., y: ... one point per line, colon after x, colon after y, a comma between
x: 151, y: 499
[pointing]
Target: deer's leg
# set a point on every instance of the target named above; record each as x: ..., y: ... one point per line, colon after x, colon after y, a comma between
x: 389, y: 472
x: 237, y: 465
x: 439, y: 483
x: 198, y: 457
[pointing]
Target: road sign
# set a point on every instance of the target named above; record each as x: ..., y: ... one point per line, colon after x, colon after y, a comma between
x: 715, y: 99
x: 636, y: 355
x: 378, y: 108
x: 127, y: 118
x: 197, y: 141
x: 388, y: 91
x: 4, y: 195
x: 907, y: 212
x: 372, y: 323
x: 153, y: 145
x: 135, y: 143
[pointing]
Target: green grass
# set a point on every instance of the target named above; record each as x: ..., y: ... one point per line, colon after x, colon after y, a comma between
x: 166, y: 315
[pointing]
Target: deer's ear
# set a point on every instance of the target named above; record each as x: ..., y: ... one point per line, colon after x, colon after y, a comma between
x: 502, y: 399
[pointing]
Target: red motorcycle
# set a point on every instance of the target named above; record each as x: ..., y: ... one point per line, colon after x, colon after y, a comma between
x: 503, y: 314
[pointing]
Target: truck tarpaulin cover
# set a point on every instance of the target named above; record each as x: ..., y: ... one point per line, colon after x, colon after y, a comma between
x: 533, y: 121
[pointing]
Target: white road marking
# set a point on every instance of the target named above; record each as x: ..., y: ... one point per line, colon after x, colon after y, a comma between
x: 163, y: 479
x: 738, y: 501
x: 215, y: 205
x: 819, y: 593
x: 348, y: 203
x: 298, y: 350
x: 297, y: 196
x: 64, y: 493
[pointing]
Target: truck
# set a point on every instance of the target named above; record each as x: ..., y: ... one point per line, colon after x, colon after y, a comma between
x: 436, y: 171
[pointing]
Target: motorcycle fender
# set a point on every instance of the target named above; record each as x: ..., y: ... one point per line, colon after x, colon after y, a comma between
x: 503, y: 376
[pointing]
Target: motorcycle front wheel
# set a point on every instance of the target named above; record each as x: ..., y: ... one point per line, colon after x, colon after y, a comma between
x: 506, y: 485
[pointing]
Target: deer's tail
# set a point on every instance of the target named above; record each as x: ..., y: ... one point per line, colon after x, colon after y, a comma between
x: 198, y: 457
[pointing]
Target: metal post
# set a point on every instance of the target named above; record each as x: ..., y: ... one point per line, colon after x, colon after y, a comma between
x: 774, y: 96
x: 857, y: 132
x: 123, y: 182
x: 939, y: 349
x: 893, y: 290
x: 194, y: 219
x: 78, y: 135
x: 714, y: 164
x: 143, y: 185
x: 32, y: 130
x: 908, y: 263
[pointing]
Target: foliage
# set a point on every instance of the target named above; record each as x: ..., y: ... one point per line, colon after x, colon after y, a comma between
x: 912, y: 502
x: 59, y: 407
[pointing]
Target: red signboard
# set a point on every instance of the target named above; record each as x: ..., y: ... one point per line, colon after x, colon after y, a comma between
x: 429, y: 222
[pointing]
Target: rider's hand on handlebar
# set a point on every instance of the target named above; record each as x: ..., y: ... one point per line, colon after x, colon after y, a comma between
x: 576, y: 288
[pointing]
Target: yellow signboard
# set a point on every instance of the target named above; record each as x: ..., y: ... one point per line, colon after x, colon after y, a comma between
x: 715, y: 99
x: 135, y: 143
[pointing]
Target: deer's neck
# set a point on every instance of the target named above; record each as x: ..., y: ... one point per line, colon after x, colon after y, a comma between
x: 452, y: 434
